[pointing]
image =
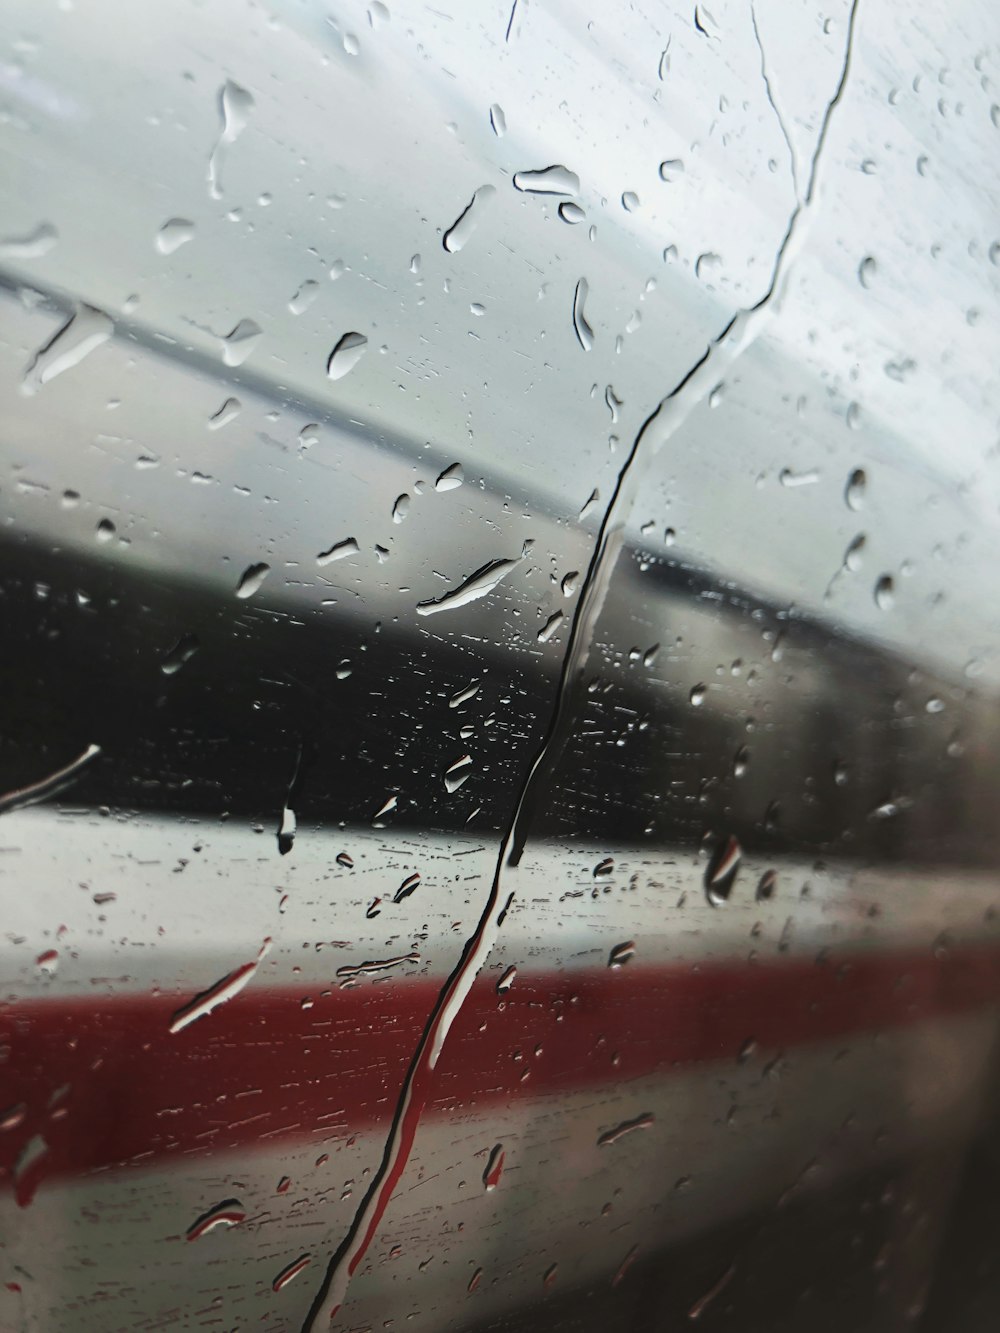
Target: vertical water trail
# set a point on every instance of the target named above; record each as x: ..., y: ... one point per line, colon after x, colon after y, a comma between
x: 662, y: 424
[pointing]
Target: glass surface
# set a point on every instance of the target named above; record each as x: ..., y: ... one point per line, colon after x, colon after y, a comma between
x: 499, y: 665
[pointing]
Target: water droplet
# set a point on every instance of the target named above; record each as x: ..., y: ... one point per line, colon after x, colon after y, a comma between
x: 548, y: 180
x: 11, y: 1117
x: 475, y: 1280
x: 228, y: 1213
x: 854, y: 554
x: 400, y: 508
x: 477, y: 585
x: 229, y: 411
x: 747, y: 1051
x: 35, y: 791
x: 885, y: 593
x: 624, y: 1266
x: 377, y: 13
x: 465, y: 224
x: 408, y: 886
x: 251, y: 579
x: 346, y: 355
x: 707, y: 265
x: 741, y: 761
x: 338, y: 551
x: 899, y: 370
x: 853, y: 415
x: 697, y: 695
x: 29, y: 1168
x: 584, y: 333
x: 590, y: 503
x: 703, y: 1302
x: 219, y: 993
x: 604, y: 868
x: 867, y: 270
x: 550, y: 627
x: 292, y: 1270
x: 498, y: 120
x: 506, y: 981
x: 464, y: 695
x: 337, y: 269
x: 240, y: 342
x: 887, y: 810
x: 286, y: 830
x: 571, y: 213
x: 716, y: 396
x: 626, y: 1127
x: 106, y: 530
x: 345, y: 860
x: 235, y: 105
x: 458, y: 772
x: 304, y: 297
x: 77, y: 338
x: 451, y: 478
x: 494, y: 1167
x: 182, y: 651
x: 766, y: 887
x: 671, y: 170
x: 670, y: 254
x: 854, y: 492
x: 31, y: 246
x: 569, y: 583
x: 174, y: 233
x: 792, y: 479
x: 347, y: 974
x: 386, y: 808
x: 621, y: 954
x: 994, y: 253
x: 705, y: 23
x: 613, y: 403
x: 630, y: 201
x: 47, y: 962
x: 722, y: 871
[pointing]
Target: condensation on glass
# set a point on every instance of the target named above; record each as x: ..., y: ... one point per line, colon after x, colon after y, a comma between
x: 499, y: 729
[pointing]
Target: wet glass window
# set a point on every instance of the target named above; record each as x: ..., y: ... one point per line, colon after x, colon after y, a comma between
x: 499, y: 666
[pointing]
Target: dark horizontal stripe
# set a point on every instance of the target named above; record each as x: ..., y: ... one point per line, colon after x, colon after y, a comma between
x: 224, y: 732
x: 106, y: 1085
x: 838, y: 1257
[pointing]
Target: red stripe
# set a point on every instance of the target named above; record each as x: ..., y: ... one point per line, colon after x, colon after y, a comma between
x: 106, y: 1085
